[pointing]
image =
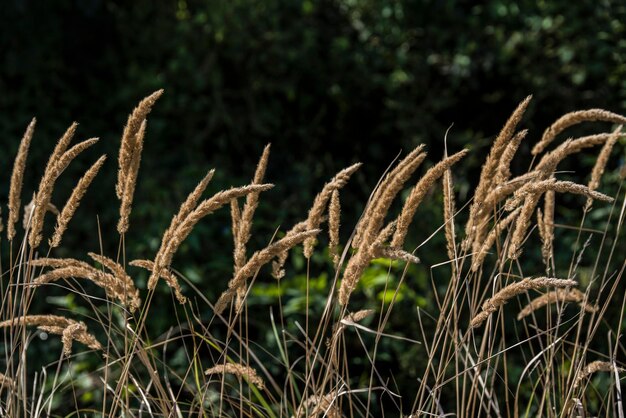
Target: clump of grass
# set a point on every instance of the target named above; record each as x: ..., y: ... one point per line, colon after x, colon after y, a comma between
x: 329, y: 362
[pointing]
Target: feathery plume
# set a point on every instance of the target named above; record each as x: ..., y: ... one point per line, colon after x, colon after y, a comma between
x: 238, y: 370
x: 258, y: 260
x: 540, y: 187
x: 503, y: 173
x: 547, y: 225
x: 479, y: 256
x: 490, y: 168
x: 130, y: 181
x: 181, y: 226
x: 69, y: 329
x: 559, y: 295
x: 449, y: 208
x: 205, y: 208
x: 164, y: 274
x: 244, y: 224
x: 522, y: 224
x: 73, y: 202
x: 117, y: 285
x: 314, y: 218
x: 17, y: 178
x: 46, y: 186
x: 187, y: 207
x: 128, y: 146
x: 593, y: 367
x: 394, y: 254
x: 601, y: 161
x: 386, y: 192
x: 334, y: 212
x: 316, y: 212
x: 417, y: 194
x: 574, y: 118
x: 494, y: 303
x: 277, y: 266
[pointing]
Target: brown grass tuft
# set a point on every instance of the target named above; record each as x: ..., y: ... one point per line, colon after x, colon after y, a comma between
x: 17, y: 178
x: 316, y: 213
x: 380, y: 201
x: 593, y: 367
x: 69, y: 329
x: 117, y: 285
x: 164, y: 274
x: 56, y: 166
x: 73, y: 202
x: 490, y: 169
x: 128, y: 147
x: 494, y: 303
x: 130, y: 181
x: 258, y: 260
x: 574, y: 118
x: 334, y: 214
x: 238, y: 370
x: 559, y: 295
x: 601, y: 161
x: 479, y: 256
x: 183, y: 223
x: 417, y: 194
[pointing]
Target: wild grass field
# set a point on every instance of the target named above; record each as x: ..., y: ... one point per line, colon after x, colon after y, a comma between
x: 512, y: 330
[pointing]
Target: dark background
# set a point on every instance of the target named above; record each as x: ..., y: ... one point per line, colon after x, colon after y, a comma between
x: 328, y: 83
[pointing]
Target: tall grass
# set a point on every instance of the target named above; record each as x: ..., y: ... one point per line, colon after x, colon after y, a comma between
x: 483, y: 294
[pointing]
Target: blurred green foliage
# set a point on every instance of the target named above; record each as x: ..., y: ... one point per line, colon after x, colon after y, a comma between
x: 327, y: 82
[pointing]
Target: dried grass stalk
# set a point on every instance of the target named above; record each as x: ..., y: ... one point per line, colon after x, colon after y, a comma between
x: 130, y: 181
x: 490, y: 169
x: 277, y: 266
x: 522, y: 224
x: 394, y: 254
x: 69, y: 329
x: 479, y: 256
x: 56, y: 166
x: 238, y: 370
x: 552, y: 184
x: 593, y: 367
x: 386, y: 192
x: 601, y: 161
x: 187, y: 207
x: 574, y: 118
x: 17, y: 178
x: 128, y: 146
x: 503, y: 173
x: 334, y: 213
x: 316, y: 213
x: 73, y: 202
x: 560, y: 296
x: 417, y: 194
x: 315, y: 217
x: 449, y: 208
x: 258, y: 260
x: 548, y: 163
x: 244, y: 224
x: 547, y: 224
x: 358, y: 316
x: 184, y: 226
x: 164, y: 274
x: 117, y: 285
x: 494, y: 303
